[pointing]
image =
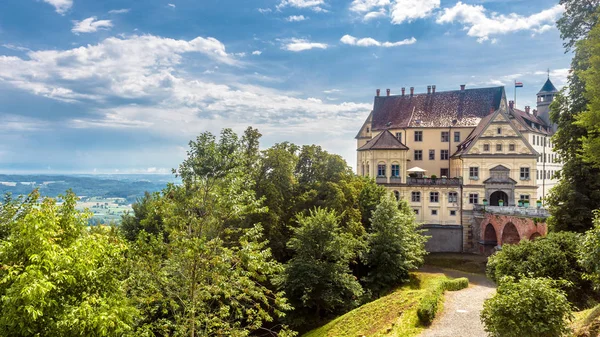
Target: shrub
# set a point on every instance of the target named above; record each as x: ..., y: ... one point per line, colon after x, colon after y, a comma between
x: 555, y: 257
x: 589, y: 253
x: 530, y: 307
x: 456, y: 284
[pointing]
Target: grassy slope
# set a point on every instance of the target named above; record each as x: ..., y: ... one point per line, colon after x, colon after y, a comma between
x: 391, y: 315
x: 587, y: 322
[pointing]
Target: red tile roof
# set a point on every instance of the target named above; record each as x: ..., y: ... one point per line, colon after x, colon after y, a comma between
x: 440, y: 109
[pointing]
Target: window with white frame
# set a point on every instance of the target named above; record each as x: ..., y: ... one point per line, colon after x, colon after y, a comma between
x: 415, y: 197
x: 474, y: 173
x: 434, y: 196
x: 452, y: 197
x: 381, y: 170
x: 473, y: 198
x: 418, y: 136
x: 395, y: 170
x: 399, y: 136
x: 457, y: 136
x: 486, y: 147
x: 524, y: 173
x: 524, y: 197
x: 444, y: 154
x: 431, y: 154
x: 445, y: 136
x: 434, y: 212
x: 418, y: 154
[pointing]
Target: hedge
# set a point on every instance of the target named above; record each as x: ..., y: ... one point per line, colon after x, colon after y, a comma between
x: 428, y: 306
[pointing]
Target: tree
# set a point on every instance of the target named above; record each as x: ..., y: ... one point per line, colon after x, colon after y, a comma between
x: 589, y: 253
x: 58, y: 278
x: 318, y: 280
x: 554, y: 256
x: 144, y: 217
x: 590, y: 118
x: 395, y: 246
x: 578, y: 192
x: 530, y: 307
x: 208, y: 276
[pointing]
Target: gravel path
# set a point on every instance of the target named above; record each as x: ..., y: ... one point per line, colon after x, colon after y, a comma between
x: 460, y: 317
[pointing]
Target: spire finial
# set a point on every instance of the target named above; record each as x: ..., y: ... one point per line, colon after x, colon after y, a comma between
x: 548, y: 73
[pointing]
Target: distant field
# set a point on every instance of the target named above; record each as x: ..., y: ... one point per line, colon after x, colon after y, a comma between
x: 105, y: 210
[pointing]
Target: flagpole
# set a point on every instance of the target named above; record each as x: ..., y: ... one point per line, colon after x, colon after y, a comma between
x: 515, y: 94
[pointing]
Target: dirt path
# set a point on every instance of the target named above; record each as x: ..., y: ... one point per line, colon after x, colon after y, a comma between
x: 460, y: 317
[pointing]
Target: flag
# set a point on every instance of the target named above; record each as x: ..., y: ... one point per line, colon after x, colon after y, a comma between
x: 518, y: 84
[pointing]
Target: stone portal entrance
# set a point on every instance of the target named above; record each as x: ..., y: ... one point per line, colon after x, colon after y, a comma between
x: 497, y: 196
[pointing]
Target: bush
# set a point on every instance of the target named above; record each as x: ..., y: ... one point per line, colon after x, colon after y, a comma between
x: 555, y: 257
x: 456, y: 284
x: 530, y: 307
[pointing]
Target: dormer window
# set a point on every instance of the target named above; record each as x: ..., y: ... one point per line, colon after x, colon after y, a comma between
x: 367, y: 129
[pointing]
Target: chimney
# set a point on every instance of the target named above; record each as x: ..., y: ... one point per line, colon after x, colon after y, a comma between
x: 535, y: 112
x: 511, y: 104
x: 412, y: 91
x: 428, y: 89
x: 462, y: 87
x: 403, y: 90
x: 433, y: 89
x: 387, y: 91
x: 527, y: 109
x: 378, y: 91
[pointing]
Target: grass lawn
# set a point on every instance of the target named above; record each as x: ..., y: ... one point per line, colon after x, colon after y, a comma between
x: 391, y: 315
x: 469, y: 263
x: 587, y: 322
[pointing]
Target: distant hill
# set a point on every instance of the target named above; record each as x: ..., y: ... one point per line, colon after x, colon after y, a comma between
x: 128, y: 186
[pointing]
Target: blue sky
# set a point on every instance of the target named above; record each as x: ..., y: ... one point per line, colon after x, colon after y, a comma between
x: 122, y: 85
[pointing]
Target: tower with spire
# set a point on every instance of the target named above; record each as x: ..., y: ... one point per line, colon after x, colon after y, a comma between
x: 544, y: 98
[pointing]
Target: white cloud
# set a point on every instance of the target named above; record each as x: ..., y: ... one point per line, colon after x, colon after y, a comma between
x: 363, y: 6
x: 256, y: 52
x: 265, y: 10
x: 399, y: 11
x: 61, y: 6
x: 297, y: 45
x: 314, y: 5
x: 369, y: 42
x: 90, y: 25
x: 242, y: 54
x: 374, y: 15
x: 479, y: 24
x: 171, y: 5
x: 119, y: 11
x: 409, y: 10
x: 296, y: 18
x: 331, y: 91
x: 14, y: 47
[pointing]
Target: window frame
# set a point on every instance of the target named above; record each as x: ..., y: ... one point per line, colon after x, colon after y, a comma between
x: 473, y: 198
x: 445, y: 136
x: 446, y: 156
x: 420, y: 152
x: 452, y: 211
x: 399, y: 136
x: 486, y: 147
x: 431, y: 154
x: 525, y: 173
x: 415, y: 196
x: 379, y: 170
x: 498, y: 147
x: 395, y: 168
x: 453, y: 197
x: 512, y: 147
x: 457, y: 139
x: 418, y: 136
x: 434, y: 197
x: 434, y: 212
x: 474, y: 169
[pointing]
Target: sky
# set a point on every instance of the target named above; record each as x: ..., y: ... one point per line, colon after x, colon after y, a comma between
x: 122, y: 86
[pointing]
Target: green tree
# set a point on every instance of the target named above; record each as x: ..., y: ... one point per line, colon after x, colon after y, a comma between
x: 144, y: 217
x: 589, y: 252
x: 58, y: 278
x: 530, y: 307
x: 208, y: 277
x: 555, y: 256
x: 395, y: 246
x: 318, y: 280
x: 577, y: 194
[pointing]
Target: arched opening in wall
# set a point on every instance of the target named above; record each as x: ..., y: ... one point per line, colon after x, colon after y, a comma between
x: 397, y: 195
x: 489, y: 236
x: 535, y: 236
x: 510, y: 235
x: 497, y: 196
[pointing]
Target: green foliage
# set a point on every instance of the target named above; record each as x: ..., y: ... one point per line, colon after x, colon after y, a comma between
x: 368, y: 199
x: 554, y: 256
x: 590, y: 119
x: 530, y: 307
x: 456, y: 284
x: 144, y: 218
x: 589, y: 253
x: 395, y: 246
x: 318, y: 280
x: 57, y: 278
x: 577, y: 194
x: 430, y: 302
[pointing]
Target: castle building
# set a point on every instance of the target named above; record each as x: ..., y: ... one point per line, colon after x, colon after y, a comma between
x: 448, y: 153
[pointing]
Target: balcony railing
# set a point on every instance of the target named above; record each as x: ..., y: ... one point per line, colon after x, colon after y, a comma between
x: 514, y: 210
x: 434, y: 181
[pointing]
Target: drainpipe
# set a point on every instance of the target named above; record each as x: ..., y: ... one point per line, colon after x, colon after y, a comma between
x: 544, y: 173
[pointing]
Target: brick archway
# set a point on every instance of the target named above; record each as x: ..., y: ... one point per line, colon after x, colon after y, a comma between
x: 496, y: 229
x: 510, y: 234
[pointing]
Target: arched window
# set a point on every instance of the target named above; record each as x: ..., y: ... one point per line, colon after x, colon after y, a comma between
x: 381, y: 169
